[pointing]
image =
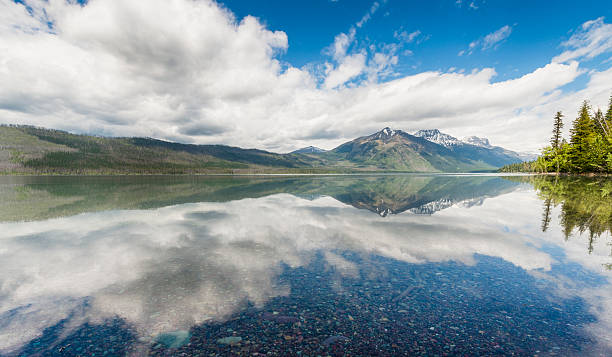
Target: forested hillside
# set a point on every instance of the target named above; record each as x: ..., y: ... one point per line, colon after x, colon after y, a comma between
x: 26, y: 149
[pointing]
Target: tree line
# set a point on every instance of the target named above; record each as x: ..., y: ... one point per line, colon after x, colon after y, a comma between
x: 589, y: 149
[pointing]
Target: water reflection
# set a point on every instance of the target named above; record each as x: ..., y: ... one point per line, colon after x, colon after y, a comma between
x: 216, y: 258
x: 586, y: 205
x: 36, y: 198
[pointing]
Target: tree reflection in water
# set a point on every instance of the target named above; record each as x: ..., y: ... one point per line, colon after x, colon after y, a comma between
x: 585, y: 204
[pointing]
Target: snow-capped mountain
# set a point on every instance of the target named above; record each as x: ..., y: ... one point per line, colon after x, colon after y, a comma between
x: 473, y: 147
x: 309, y: 150
x: 438, y: 137
x: 385, y: 133
x: 484, y: 143
x: 397, y: 150
x: 476, y: 141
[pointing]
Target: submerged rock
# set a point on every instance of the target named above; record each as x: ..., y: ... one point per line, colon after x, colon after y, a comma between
x: 280, y: 318
x: 231, y: 340
x: 174, y: 339
x: 333, y: 339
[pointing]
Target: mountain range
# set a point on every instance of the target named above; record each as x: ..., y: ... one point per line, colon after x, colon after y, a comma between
x: 467, y: 145
x: 33, y: 150
x: 475, y: 147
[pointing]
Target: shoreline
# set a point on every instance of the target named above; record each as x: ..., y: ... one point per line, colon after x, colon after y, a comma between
x: 369, y: 173
x: 583, y: 174
x: 301, y: 174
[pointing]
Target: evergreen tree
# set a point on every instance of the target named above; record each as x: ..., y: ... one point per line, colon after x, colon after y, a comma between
x: 608, y: 118
x: 555, y: 141
x: 583, y: 135
x: 600, y: 123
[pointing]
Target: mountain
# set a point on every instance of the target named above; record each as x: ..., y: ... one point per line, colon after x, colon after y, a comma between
x: 476, y: 141
x: 484, y: 142
x: 309, y: 150
x: 473, y: 148
x: 397, y: 150
x: 32, y: 150
x: 435, y: 136
x: 26, y: 149
x: 527, y: 156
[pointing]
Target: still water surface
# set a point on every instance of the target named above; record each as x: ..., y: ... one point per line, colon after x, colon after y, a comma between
x: 360, y: 265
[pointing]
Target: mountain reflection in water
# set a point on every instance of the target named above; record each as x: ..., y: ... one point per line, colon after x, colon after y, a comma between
x: 334, y: 265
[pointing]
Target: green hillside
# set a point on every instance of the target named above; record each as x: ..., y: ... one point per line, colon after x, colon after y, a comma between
x: 25, y: 149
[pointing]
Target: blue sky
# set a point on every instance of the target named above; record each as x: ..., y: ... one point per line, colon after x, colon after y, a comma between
x: 280, y: 75
x: 447, y: 27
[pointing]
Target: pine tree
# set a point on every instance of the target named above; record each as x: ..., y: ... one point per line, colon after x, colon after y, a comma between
x: 555, y: 141
x: 583, y: 135
x: 600, y: 123
x: 608, y: 118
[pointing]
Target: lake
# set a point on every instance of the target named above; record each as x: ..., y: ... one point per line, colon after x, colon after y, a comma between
x: 306, y: 265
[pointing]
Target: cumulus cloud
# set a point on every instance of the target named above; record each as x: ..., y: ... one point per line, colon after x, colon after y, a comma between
x: 158, y: 67
x: 190, y: 71
x: 350, y: 67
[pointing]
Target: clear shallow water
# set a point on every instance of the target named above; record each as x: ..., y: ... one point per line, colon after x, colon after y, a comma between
x: 432, y: 265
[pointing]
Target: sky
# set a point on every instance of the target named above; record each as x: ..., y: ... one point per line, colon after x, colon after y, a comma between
x: 280, y: 75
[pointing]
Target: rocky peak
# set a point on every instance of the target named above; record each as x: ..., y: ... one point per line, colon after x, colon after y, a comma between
x: 438, y: 137
x: 386, y: 133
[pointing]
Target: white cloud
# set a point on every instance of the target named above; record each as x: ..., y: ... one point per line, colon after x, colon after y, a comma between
x: 406, y: 36
x: 189, y: 71
x: 341, y: 44
x: 489, y: 41
x: 496, y: 37
x: 350, y: 67
x: 471, y: 5
x: 592, y: 39
x: 368, y: 14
